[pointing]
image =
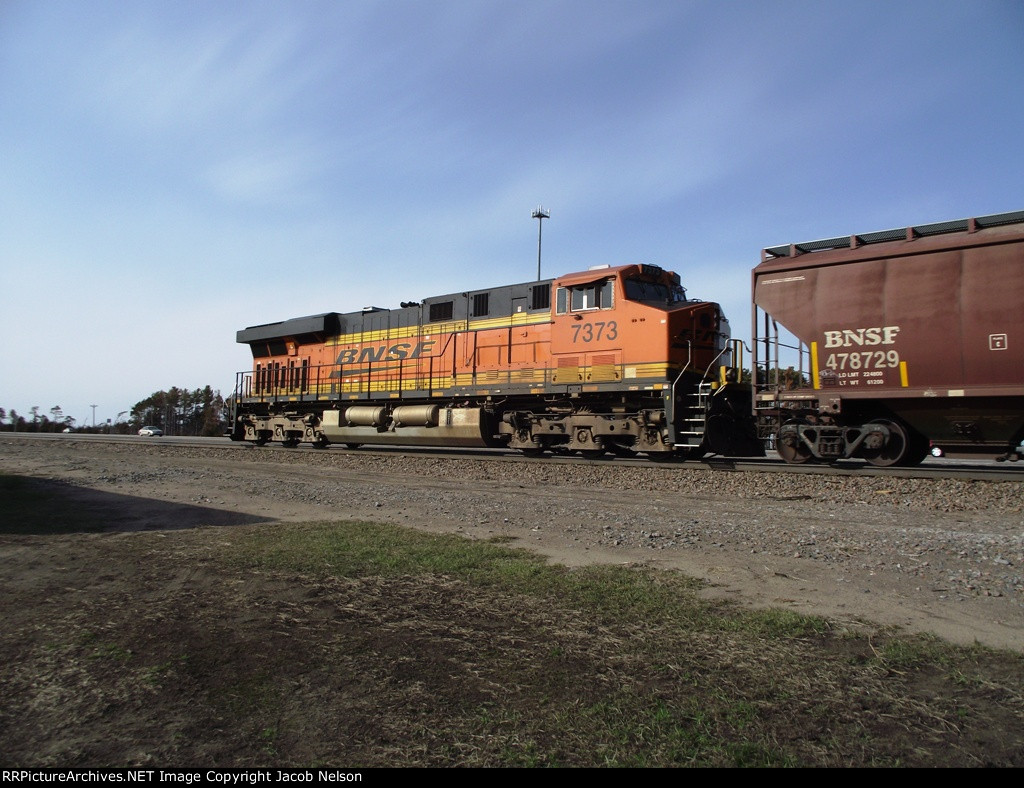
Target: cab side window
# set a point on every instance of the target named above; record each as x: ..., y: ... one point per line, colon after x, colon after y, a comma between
x: 593, y: 296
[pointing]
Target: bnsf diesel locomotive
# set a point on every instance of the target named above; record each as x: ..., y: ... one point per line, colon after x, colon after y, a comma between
x: 607, y: 360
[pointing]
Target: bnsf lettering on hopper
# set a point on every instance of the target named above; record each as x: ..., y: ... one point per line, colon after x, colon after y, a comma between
x: 860, y: 337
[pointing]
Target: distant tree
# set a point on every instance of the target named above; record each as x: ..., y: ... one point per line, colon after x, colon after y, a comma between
x: 787, y: 378
x: 212, y: 413
x: 3, y: 415
x: 180, y: 411
x: 119, y: 425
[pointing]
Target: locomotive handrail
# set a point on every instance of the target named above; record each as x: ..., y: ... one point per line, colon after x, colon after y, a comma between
x: 727, y: 348
x: 671, y: 414
x: 367, y: 378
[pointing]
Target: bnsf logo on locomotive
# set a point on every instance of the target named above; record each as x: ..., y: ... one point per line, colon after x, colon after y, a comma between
x: 353, y: 355
x: 866, y: 337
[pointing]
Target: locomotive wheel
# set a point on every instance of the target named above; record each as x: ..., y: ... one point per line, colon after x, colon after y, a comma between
x: 899, y: 450
x: 321, y: 443
x: 262, y: 439
x: 353, y: 445
x: 595, y: 446
x: 291, y: 443
x: 791, y: 448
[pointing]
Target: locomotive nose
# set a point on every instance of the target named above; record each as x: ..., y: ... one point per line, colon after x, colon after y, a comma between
x: 700, y: 333
x: 702, y: 324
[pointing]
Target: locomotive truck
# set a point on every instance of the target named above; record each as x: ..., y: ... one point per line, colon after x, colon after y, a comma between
x: 613, y: 359
x: 902, y: 339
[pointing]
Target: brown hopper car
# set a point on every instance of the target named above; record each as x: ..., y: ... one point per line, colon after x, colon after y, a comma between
x: 893, y: 342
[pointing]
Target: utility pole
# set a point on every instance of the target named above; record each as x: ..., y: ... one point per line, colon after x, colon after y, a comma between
x: 540, y: 215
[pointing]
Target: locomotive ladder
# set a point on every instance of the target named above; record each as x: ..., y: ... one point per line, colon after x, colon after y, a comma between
x: 694, y: 415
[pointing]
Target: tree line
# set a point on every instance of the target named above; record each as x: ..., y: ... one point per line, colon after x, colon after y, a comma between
x: 177, y: 411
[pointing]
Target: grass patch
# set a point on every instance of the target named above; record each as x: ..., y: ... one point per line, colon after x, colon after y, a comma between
x: 355, y: 549
x: 540, y: 665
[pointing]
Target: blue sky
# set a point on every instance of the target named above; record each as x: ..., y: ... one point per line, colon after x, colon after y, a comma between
x: 171, y: 172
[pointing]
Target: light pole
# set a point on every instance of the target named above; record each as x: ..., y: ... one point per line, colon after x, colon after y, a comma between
x: 540, y: 215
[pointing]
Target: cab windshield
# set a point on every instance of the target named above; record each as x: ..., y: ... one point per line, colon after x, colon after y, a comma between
x: 654, y: 292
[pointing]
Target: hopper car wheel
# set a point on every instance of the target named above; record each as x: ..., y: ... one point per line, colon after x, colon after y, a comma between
x: 532, y: 452
x: 903, y: 448
x: 791, y: 448
x: 353, y: 445
x: 322, y: 443
x: 262, y: 440
x: 291, y: 443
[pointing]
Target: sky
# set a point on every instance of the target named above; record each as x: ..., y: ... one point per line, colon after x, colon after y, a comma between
x: 172, y: 172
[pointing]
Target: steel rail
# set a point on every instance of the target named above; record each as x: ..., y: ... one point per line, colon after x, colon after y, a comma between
x: 931, y: 468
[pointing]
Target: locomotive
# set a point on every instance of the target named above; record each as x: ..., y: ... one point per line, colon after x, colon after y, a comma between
x: 608, y: 360
x: 904, y: 340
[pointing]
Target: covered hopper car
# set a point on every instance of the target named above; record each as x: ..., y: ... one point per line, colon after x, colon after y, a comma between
x: 606, y: 360
x: 895, y: 341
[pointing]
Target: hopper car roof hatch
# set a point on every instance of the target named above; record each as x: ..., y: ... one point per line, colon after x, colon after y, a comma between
x: 882, y: 236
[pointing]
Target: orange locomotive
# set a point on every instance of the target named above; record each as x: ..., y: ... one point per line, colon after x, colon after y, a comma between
x: 610, y: 359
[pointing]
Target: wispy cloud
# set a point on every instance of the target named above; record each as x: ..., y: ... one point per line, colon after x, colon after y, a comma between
x: 276, y: 176
x: 190, y: 80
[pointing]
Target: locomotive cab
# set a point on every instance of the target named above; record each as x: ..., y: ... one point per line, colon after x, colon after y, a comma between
x: 643, y: 309
x: 632, y: 328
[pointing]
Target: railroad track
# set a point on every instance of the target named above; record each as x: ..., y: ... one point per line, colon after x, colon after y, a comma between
x: 931, y: 468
